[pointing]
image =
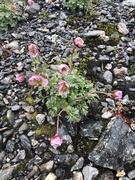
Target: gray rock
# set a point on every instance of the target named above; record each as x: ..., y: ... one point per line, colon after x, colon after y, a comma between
x: 50, y: 176
x: 77, y: 175
x: 122, y: 28
x: 129, y: 3
x: 10, y: 116
x: 65, y: 159
x: 70, y: 148
x: 131, y: 174
x: 93, y: 33
x: 16, y: 107
x: 91, y: 129
x: 40, y: 118
x: 23, y: 127
x: 35, y: 8
x: 47, y: 166
x: 2, y: 155
x: 10, y: 146
x: 13, y: 45
x: 104, y: 58
x: 120, y: 71
x: 63, y: 16
x: 25, y: 142
x: 116, y: 146
x: 89, y: 172
x: 124, y: 178
x: 27, y: 108
x: 108, y: 76
x: 6, y: 174
x: 109, y: 49
x: 20, y: 156
x: 78, y: 165
x: 107, y: 176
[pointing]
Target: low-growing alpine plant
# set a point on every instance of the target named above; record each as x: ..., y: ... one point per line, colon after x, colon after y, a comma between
x: 11, y: 12
x: 62, y: 89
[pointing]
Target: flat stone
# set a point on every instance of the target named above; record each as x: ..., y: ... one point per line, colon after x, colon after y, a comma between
x: 93, y: 33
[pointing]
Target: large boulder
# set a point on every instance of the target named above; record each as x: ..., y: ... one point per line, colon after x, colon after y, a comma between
x: 116, y: 146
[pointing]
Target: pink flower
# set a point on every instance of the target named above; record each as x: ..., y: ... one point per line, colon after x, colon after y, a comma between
x: 37, y: 80
x: 63, y: 69
x: 20, y: 77
x: 117, y: 94
x: 30, y: 2
x: 78, y: 42
x: 63, y: 87
x: 32, y: 50
x: 13, y: 7
x: 56, y: 141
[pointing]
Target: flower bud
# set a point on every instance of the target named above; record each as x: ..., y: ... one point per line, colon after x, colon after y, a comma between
x: 30, y: 2
x: 63, y: 87
x: 20, y: 77
x: 13, y: 7
x: 116, y: 94
x: 63, y: 69
x: 78, y: 42
x: 56, y: 141
x: 32, y: 50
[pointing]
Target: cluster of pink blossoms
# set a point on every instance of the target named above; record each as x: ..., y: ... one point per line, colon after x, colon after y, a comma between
x: 63, y: 86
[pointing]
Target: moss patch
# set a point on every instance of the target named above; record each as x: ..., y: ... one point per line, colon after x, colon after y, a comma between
x: 46, y: 129
x: 111, y: 31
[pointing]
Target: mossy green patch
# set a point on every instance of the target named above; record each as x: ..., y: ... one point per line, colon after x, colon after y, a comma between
x: 108, y: 28
x: 29, y: 99
x: 43, y: 14
x: 46, y: 129
x: 132, y: 68
x: 33, y: 117
x: 111, y: 31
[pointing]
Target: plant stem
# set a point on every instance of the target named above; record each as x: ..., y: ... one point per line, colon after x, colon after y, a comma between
x: 71, y: 60
x: 58, y: 122
x: 88, y: 94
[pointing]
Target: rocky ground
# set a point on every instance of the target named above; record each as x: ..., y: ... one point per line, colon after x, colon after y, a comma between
x: 100, y: 147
